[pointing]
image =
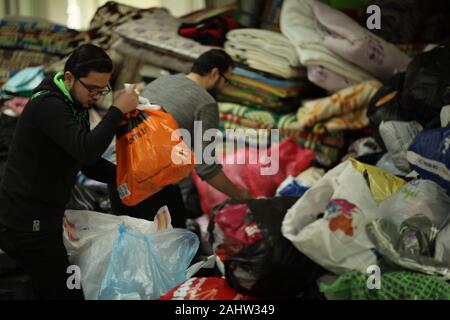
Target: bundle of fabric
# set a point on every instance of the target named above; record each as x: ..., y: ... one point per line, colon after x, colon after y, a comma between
x: 347, y: 52
x: 320, y: 124
x: 259, y: 122
x: 258, y: 86
x: 112, y: 14
x: 152, y: 57
x: 16, y: 105
x: 24, y: 82
x: 247, y: 117
x: 257, y: 99
x: 326, y: 146
x: 28, y: 42
x: 210, y: 31
x: 344, y: 110
x: 12, y: 61
x: 252, y: 123
x: 264, y: 50
x: 261, y: 90
x: 38, y: 35
x: 158, y: 30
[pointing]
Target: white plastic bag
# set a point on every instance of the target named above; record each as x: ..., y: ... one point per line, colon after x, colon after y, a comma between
x: 298, y: 186
x: 442, y: 250
x: 338, y: 241
x: 89, y: 238
x: 397, y: 136
x: 418, y: 198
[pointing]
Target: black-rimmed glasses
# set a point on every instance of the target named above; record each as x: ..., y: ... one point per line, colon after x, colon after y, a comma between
x: 95, y: 91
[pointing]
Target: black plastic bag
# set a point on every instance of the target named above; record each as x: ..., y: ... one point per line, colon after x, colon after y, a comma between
x: 419, y: 94
x: 413, y: 21
x: 426, y: 89
x: 385, y: 105
x: 272, y: 267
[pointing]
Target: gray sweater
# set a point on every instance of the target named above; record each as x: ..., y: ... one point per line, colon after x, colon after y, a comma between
x: 187, y: 102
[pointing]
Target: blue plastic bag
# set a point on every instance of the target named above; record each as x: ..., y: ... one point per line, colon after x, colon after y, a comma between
x: 148, y: 266
x: 292, y: 187
x: 429, y: 156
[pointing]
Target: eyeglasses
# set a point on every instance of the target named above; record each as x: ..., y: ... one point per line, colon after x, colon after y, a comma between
x: 227, y: 81
x: 93, y: 91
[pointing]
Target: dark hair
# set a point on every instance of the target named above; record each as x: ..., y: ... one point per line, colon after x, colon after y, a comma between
x: 88, y: 58
x: 211, y: 59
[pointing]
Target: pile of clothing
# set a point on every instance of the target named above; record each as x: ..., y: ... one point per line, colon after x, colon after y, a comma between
x: 266, y: 87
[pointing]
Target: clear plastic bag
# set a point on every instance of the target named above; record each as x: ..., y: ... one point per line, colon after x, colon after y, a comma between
x: 148, y: 266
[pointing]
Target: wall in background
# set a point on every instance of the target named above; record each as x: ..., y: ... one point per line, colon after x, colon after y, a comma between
x: 78, y: 13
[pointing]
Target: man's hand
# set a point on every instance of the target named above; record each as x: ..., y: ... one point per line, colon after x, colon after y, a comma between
x: 126, y: 100
x: 221, y: 182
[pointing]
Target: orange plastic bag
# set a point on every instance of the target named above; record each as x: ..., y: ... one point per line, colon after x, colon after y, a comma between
x: 150, y: 155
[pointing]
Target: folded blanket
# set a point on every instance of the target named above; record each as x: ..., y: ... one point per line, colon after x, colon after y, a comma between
x: 112, y: 14
x: 286, y: 105
x: 274, y: 44
x: 251, y: 135
x: 327, y: 79
x: 288, y: 127
x: 300, y: 26
x: 261, y: 60
x: 345, y: 37
x: 350, y: 121
x: 159, y: 30
x: 260, y: 86
x: 266, y: 79
x: 226, y: 117
x: 252, y: 96
x: 325, y: 154
x: 153, y: 57
x: 342, y: 102
x: 39, y: 35
x: 12, y: 61
x: 354, y: 120
x: 266, y: 118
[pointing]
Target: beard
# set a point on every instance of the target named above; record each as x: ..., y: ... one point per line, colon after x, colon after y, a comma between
x: 83, y: 105
x: 214, y: 90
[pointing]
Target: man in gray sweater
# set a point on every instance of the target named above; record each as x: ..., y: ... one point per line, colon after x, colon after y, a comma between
x: 190, y: 100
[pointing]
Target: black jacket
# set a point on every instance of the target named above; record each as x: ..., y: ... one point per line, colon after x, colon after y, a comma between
x: 51, y: 144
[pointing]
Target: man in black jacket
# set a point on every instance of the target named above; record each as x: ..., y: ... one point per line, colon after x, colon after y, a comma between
x: 52, y: 143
